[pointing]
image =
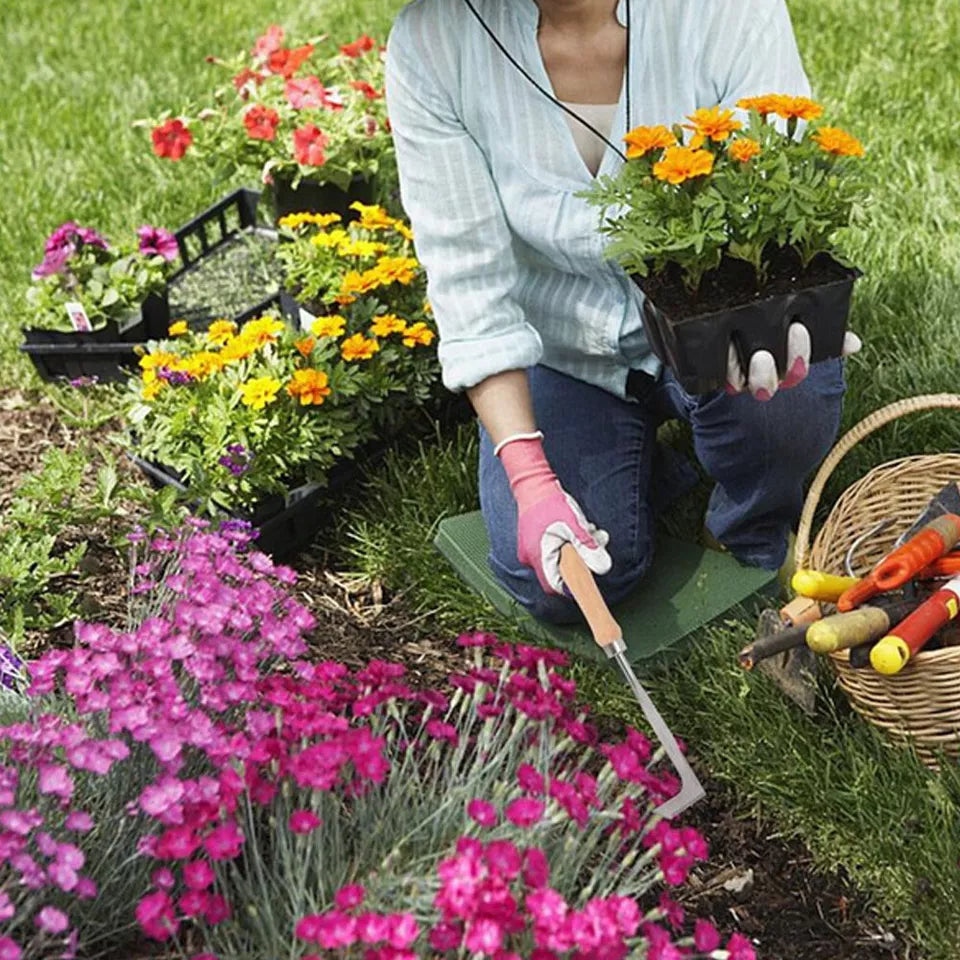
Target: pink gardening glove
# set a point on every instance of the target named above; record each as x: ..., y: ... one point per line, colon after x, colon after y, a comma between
x: 762, y: 379
x: 547, y: 516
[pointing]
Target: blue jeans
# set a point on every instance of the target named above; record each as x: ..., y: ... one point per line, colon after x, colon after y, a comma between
x: 603, y: 450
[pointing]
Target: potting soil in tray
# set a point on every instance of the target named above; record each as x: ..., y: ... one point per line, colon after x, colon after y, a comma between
x: 228, y: 281
x: 687, y: 587
x: 734, y: 283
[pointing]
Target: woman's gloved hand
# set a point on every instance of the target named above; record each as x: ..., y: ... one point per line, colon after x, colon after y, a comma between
x: 547, y: 516
x: 762, y: 378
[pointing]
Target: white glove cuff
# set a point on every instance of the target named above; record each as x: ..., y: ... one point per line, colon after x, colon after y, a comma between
x: 536, y: 435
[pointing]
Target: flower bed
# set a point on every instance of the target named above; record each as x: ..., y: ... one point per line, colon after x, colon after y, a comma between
x: 732, y: 236
x: 261, y: 793
x: 306, y: 113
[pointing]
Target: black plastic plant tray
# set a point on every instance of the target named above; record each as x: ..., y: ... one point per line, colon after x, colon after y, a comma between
x: 107, y: 354
x: 211, y: 236
x: 311, y: 197
x: 695, y: 348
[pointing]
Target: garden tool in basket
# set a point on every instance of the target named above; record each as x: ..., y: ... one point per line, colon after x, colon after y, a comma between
x: 609, y: 637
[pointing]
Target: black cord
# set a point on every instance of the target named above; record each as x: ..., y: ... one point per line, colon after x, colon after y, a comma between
x: 548, y: 94
x: 626, y: 75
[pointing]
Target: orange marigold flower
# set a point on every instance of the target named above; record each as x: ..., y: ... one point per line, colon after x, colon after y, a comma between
x: 711, y: 123
x: 331, y: 326
x: 401, y: 270
x: 358, y: 347
x: 418, y: 335
x: 683, y: 163
x: 641, y: 140
x: 800, y: 108
x: 388, y: 323
x: 310, y: 386
x: 305, y: 345
x: 838, y: 142
x: 767, y: 103
x: 744, y: 149
x: 354, y: 283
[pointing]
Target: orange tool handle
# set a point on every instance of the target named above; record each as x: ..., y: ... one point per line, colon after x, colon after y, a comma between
x: 948, y: 566
x: 932, y: 542
x: 858, y: 594
x: 905, y: 640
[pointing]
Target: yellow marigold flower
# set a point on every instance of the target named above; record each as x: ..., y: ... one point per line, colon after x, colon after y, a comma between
x: 160, y: 358
x: 711, y: 123
x: 418, y: 335
x: 641, y: 140
x: 372, y: 217
x: 768, y: 103
x: 220, y: 331
x: 330, y: 239
x: 361, y: 248
x: 800, y: 108
x: 744, y: 149
x: 388, y: 323
x: 358, y: 347
x: 354, y: 283
x: 331, y: 326
x: 428, y: 308
x: 310, y: 386
x: 401, y: 270
x: 403, y: 230
x: 150, y: 390
x: 262, y: 330
x: 839, y: 142
x: 305, y: 346
x: 294, y: 220
x: 178, y: 328
x: 239, y: 348
x: 344, y: 299
x: 257, y: 393
x: 201, y: 364
x: 683, y: 163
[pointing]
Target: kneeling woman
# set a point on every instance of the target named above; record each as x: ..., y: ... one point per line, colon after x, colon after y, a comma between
x: 543, y: 332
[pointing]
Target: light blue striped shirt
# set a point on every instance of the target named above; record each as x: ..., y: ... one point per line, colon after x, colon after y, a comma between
x: 489, y: 172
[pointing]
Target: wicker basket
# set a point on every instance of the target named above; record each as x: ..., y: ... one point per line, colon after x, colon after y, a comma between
x: 921, y: 705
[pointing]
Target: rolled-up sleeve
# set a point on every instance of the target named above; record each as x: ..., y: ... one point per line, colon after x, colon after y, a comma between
x: 461, y: 233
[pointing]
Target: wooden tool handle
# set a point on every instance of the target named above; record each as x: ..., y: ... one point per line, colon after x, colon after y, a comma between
x: 580, y: 583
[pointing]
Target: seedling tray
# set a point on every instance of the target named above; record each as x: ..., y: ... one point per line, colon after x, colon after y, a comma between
x: 696, y: 347
x: 106, y: 354
x: 225, y: 246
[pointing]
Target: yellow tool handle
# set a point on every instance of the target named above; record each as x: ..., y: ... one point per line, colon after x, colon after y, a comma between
x: 825, y: 587
x: 845, y: 630
x: 580, y: 583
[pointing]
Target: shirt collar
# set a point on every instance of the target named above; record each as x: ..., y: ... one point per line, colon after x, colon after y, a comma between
x: 530, y: 12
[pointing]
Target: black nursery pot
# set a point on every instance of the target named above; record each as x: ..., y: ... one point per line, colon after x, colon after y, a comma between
x: 107, y: 354
x: 313, y: 197
x: 695, y: 347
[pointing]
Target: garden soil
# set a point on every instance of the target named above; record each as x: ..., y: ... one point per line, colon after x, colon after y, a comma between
x: 755, y: 881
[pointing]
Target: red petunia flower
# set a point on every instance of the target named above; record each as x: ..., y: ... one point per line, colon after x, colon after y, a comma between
x: 261, y: 122
x: 245, y: 76
x: 287, y: 62
x: 309, y: 93
x: 358, y: 48
x: 171, y: 139
x: 367, y: 89
x: 309, y: 142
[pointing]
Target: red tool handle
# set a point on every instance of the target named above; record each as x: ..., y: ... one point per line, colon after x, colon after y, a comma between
x: 932, y: 542
x: 858, y: 594
x: 948, y: 566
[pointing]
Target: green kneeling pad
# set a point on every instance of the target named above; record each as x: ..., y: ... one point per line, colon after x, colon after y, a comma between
x: 686, y: 587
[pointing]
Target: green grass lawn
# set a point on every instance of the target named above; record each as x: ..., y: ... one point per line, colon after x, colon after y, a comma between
x: 886, y: 69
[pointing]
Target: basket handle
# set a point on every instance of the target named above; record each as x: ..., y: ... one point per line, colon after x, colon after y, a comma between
x: 877, y: 419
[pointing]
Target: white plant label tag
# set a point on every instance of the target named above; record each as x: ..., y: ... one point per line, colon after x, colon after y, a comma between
x: 78, y: 317
x: 306, y: 319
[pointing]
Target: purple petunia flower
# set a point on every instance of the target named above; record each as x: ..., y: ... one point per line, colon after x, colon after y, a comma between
x: 157, y: 242
x: 63, y: 243
x: 10, y: 667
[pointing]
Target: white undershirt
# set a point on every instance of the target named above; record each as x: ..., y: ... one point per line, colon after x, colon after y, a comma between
x: 590, y: 146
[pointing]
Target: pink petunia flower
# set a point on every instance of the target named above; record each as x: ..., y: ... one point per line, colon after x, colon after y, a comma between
x: 157, y: 242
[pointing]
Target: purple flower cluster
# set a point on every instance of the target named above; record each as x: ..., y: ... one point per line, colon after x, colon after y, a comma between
x: 11, y: 667
x: 176, y: 378
x: 157, y: 242
x: 63, y: 244
x: 237, y: 459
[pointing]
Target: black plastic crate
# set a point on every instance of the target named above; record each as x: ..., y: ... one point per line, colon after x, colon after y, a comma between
x: 107, y: 354
x: 221, y: 228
